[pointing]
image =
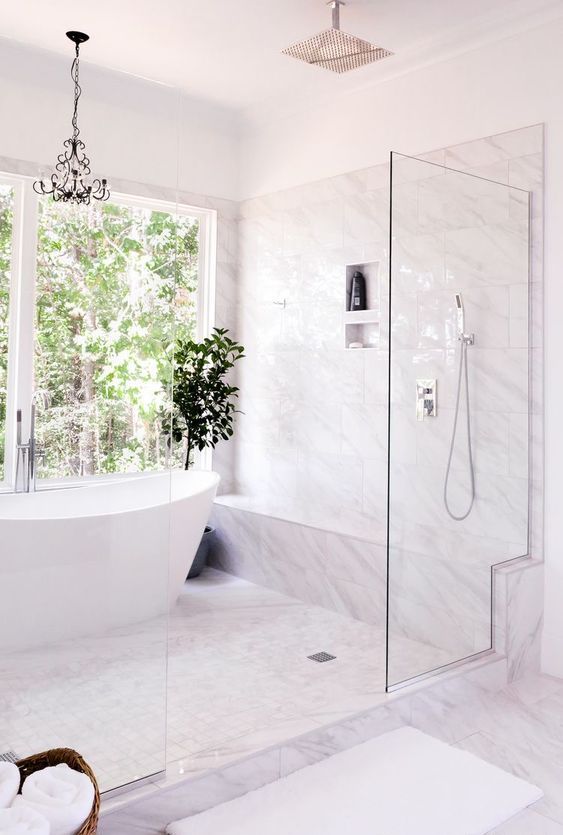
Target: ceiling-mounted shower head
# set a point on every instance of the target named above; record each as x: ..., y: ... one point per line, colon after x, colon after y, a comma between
x: 336, y: 50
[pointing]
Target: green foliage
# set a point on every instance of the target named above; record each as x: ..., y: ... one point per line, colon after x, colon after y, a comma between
x: 203, y: 399
x: 115, y: 287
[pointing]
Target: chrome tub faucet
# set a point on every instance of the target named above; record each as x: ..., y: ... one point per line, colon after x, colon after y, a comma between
x: 28, y: 454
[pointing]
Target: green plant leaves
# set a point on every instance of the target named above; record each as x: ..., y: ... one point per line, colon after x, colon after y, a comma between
x: 203, y: 400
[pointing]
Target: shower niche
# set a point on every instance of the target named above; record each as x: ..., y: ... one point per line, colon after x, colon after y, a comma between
x: 362, y: 327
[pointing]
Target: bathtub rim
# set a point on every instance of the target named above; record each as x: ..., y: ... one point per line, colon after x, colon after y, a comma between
x: 207, y: 480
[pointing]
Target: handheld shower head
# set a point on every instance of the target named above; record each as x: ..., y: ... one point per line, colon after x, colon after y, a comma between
x: 466, y: 338
x: 460, y: 315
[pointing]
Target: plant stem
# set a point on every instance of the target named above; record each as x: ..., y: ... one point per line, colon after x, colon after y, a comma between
x: 188, y: 455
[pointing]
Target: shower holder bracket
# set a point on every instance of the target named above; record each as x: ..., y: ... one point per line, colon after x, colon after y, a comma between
x: 426, y: 402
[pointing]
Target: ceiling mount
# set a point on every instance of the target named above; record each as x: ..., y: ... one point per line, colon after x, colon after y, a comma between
x: 82, y: 37
x: 335, y: 6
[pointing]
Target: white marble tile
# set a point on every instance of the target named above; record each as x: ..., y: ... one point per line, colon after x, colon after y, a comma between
x: 529, y: 823
x: 418, y: 263
x: 497, y: 171
x: 375, y: 379
x: 526, y: 172
x: 321, y: 279
x: 333, y: 481
x: 335, y: 376
x: 377, y: 177
x: 503, y: 146
x: 355, y: 182
x: 364, y: 431
x: 519, y: 315
x: 486, y: 255
x: 258, y: 420
x: 519, y: 444
x: 499, y: 379
x: 407, y: 169
x: 327, y: 741
x: 458, y: 201
x: 404, y: 206
x: 525, y: 592
x: 311, y: 427
x: 313, y: 225
x: 533, y: 689
x: 366, y: 217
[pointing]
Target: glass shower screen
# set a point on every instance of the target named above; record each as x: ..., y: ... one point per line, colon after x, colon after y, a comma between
x: 458, y: 409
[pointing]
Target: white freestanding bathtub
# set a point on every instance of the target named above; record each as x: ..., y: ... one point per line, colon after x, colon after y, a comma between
x: 83, y: 560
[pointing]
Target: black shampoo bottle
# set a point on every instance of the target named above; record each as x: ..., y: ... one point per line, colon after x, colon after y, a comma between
x: 358, y: 294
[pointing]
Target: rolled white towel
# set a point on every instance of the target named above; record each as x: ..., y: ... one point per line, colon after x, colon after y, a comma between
x: 23, y: 821
x: 9, y: 783
x: 64, y: 796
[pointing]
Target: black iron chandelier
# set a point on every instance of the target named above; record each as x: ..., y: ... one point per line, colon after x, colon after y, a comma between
x: 70, y: 182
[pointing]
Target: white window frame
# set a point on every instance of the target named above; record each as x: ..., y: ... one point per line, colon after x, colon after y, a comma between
x: 21, y: 327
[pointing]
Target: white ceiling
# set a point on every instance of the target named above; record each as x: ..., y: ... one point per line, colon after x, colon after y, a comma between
x: 228, y: 51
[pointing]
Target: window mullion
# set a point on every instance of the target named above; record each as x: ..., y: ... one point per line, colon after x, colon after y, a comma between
x: 22, y: 317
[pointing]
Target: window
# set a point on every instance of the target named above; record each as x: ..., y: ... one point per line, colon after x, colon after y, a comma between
x: 6, y: 235
x: 112, y: 287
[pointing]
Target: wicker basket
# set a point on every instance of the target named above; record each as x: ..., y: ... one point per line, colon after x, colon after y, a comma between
x: 73, y: 760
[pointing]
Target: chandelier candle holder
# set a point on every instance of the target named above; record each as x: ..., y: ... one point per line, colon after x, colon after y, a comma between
x: 71, y: 182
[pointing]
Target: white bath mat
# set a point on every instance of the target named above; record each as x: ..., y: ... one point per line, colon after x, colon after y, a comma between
x: 401, y: 783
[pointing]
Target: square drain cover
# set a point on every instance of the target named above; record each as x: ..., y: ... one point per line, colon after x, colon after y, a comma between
x: 8, y: 756
x: 322, y: 656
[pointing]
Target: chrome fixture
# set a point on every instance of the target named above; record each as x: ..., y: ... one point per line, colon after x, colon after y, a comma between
x: 70, y: 182
x: 27, y: 454
x: 334, y: 49
x: 466, y: 339
x: 426, y: 404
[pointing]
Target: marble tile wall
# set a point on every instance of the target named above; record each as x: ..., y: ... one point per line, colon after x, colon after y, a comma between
x: 518, y: 615
x: 311, y: 443
x: 318, y: 566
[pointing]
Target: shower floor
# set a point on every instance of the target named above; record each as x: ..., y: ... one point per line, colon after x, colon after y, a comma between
x: 239, y: 681
x: 239, y: 675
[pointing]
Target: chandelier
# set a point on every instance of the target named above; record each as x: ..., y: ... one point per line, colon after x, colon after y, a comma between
x: 70, y: 182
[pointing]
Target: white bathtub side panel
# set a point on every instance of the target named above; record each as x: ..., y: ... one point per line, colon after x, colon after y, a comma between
x: 82, y: 576
x: 189, y: 518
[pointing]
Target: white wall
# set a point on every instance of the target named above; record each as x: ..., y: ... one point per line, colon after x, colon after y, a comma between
x: 134, y: 129
x: 499, y: 87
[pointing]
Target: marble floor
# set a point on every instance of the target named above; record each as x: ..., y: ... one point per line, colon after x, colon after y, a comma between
x: 519, y: 729
x: 239, y: 681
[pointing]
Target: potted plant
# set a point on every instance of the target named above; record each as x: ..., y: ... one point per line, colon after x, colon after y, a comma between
x: 204, y: 403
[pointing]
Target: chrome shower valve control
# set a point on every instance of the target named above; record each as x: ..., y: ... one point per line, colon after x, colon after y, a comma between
x: 426, y: 402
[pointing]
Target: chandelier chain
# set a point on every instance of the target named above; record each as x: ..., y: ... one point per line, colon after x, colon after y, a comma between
x: 74, y: 74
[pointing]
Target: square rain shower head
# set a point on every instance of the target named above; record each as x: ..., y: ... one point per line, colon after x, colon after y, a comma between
x: 336, y: 50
